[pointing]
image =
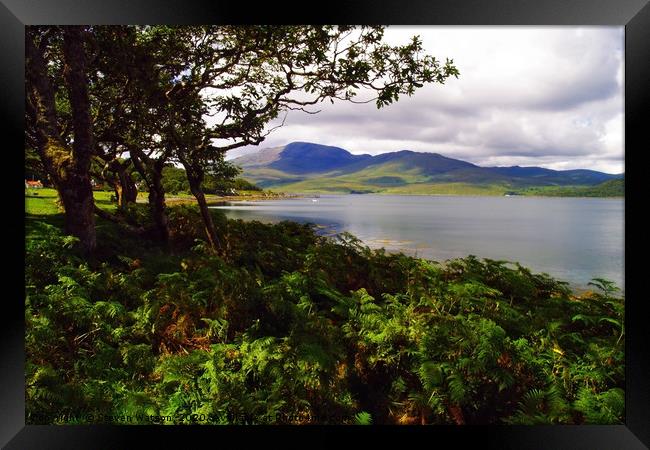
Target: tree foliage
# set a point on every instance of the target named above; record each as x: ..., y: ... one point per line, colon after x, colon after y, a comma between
x: 148, y: 96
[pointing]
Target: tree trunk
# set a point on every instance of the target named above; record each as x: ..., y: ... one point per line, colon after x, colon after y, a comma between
x: 77, y: 191
x: 152, y: 175
x: 67, y: 168
x: 123, y: 184
x: 210, y: 230
x: 129, y: 193
x: 194, y: 178
x: 157, y: 203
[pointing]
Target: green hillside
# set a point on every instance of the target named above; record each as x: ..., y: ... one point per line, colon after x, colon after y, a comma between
x: 410, y: 184
x: 302, y: 167
x: 423, y: 188
x: 611, y: 188
x: 387, y: 178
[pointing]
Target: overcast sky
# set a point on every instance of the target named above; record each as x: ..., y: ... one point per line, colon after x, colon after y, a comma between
x: 543, y: 96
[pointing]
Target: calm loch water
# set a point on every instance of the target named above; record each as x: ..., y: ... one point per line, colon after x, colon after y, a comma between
x: 572, y: 239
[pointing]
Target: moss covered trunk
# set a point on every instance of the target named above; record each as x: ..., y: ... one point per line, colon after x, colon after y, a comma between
x: 77, y: 194
x: 68, y: 168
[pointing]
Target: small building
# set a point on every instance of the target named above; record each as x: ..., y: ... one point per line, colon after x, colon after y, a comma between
x: 95, y: 185
x: 33, y: 184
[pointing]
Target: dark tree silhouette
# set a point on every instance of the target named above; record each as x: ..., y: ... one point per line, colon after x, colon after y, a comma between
x: 141, y: 95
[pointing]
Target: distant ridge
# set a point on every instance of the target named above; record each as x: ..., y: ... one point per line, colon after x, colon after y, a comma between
x: 314, y: 167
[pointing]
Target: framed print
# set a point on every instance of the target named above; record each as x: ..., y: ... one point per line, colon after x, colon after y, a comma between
x: 293, y: 222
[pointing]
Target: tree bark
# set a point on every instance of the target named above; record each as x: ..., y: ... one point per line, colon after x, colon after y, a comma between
x: 151, y: 173
x: 68, y: 168
x: 123, y: 184
x: 129, y: 193
x: 77, y: 194
x: 210, y: 230
x: 195, y: 176
x: 157, y: 203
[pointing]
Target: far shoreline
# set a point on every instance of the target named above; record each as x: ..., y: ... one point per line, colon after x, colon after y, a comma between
x: 312, y: 194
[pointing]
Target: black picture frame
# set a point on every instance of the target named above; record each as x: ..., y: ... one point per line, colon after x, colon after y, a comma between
x: 634, y: 15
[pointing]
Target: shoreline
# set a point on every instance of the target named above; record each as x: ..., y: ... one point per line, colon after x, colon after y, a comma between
x: 313, y: 194
x: 213, y: 200
x: 576, y: 282
x: 319, y: 228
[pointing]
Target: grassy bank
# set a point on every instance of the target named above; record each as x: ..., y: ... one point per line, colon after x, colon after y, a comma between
x: 43, y: 201
x: 179, y: 199
x: 290, y: 327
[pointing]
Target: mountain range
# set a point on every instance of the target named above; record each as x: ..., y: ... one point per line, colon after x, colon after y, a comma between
x: 308, y: 167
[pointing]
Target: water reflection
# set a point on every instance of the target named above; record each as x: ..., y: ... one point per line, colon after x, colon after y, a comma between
x: 572, y: 239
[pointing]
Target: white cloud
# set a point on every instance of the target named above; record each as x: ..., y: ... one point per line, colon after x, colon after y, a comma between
x: 545, y: 96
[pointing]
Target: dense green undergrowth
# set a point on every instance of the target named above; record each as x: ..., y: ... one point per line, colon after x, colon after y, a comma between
x: 292, y: 327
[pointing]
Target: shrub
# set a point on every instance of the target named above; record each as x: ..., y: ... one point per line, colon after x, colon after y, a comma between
x: 291, y: 327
